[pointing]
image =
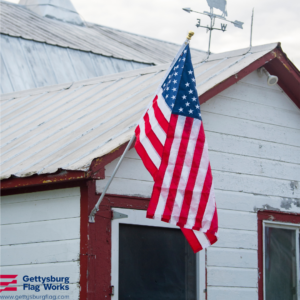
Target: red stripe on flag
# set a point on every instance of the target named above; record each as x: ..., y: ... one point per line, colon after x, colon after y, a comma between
x: 211, y: 237
x: 162, y: 169
x: 214, y: 223
x: 152, y: 136
x: 150, y: 166
x: 8, y: 276
x: 192, y: 178
x: 7, y: 283
x: 164, y: 124
x: 192, y: 239
x: 178, y: 169
x: 204, y: 198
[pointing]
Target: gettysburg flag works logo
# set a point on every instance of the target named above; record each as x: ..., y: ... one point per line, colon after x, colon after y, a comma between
x: 4, y: 285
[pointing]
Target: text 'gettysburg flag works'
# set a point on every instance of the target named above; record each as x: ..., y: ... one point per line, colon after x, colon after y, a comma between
x: 171, y: 142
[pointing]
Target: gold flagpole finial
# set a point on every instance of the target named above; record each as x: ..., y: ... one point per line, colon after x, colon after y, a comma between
x: 191, y: 33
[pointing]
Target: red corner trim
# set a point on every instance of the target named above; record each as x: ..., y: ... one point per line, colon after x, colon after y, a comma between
x: 84, y: 200
x: 288, y: 75
x: 45, y: 179
x: 235, y: 78
x: 273, y: 216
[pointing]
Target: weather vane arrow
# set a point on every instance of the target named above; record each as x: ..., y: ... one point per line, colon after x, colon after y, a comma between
x: 218, y: 4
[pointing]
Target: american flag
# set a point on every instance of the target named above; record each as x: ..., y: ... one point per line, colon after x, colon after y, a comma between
x: 171, y: 142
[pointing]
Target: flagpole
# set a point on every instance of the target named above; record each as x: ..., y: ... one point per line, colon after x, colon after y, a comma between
x: 96, y: 208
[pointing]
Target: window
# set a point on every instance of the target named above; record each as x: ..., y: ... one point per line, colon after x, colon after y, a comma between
x: 280, y: 260
x: 152, y: 260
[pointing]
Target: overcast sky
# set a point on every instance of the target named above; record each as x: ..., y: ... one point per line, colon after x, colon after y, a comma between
x: 274, y: 21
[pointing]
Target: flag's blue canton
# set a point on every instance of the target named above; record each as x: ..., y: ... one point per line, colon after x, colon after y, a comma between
x: 179, y: 88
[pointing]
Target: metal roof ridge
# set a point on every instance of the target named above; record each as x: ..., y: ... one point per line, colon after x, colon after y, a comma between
x: 140, y: 35
x: 239, y: 52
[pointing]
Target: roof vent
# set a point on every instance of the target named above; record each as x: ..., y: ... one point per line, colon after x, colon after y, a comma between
x: 62, y: 10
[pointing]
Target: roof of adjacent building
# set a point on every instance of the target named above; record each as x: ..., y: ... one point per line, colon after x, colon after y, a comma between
x: 65, y: 127
x: 18, y: 21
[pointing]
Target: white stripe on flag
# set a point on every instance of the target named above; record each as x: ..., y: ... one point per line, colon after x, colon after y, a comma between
x: 170, y: 168
x: 198, y: 188
x: 163, y: 106
x: 209, y: 210
x: 159, y: 132
x: 148, y: 146
x: 188, y: 161
x: 202, y: 239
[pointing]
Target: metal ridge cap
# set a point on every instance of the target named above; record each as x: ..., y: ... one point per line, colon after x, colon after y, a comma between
x: 243, y: 51
x: 140, y: 35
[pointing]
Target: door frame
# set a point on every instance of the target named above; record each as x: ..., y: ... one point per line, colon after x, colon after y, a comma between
x: 138, y: 217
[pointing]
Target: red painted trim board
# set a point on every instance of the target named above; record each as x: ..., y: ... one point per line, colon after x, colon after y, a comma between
x: 99, y: 233
x: 45, y: 179
x: 276, y: 217
x: 83, y: 240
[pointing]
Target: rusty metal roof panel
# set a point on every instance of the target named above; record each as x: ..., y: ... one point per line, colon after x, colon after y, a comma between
x: 66, y: 126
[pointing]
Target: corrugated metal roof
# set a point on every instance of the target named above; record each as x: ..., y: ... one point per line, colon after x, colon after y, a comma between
x: 66, y: 127
x: 18, y: 21
x: 27, y: 64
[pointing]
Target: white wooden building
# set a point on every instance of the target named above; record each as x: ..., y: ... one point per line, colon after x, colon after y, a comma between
x: 60, y: 144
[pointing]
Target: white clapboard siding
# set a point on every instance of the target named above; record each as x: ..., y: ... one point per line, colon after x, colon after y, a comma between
x: 257, y: 81
x: 250, y: 111
x: 40, y: 236
x: 237, y: 220
x: 256, y: 184
x: 123, y: 186
x: 253, y: 134
x: 42, y: 210
x: 64, y: 269
x: 261, y: 95
x: 40, y: 253
x: 222, y: 276
x: 231, y: 293
x: 237, y: 258
x: 249, y: 202
x: 252, y: 147
x: 247, y: 165
x: 44, y: 231
x: 251, y: 129
x: 233, y: 238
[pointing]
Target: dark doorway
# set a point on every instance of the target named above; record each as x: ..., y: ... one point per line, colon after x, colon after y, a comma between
x: 155, y: 263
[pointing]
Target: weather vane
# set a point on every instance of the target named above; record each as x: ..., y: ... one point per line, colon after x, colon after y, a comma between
x: 218, y: 4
